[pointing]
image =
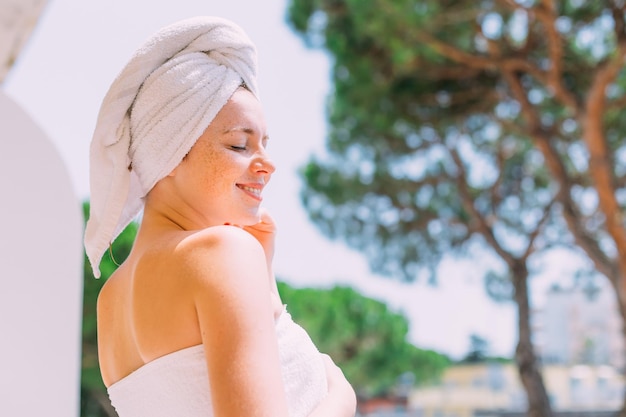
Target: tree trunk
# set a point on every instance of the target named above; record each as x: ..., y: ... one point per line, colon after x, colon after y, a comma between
x: 530, y: 376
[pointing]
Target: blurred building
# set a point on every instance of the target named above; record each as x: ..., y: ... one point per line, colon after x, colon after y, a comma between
x: 576, y: 326
x: 578, y: 337
x: 495, y: 388
x: 464, y: 389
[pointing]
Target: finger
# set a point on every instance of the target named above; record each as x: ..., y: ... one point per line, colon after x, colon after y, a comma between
x: 232, y: 224
x: 265, y: 216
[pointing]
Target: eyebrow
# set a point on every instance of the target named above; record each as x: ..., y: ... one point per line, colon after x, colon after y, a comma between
x: 246, y: 130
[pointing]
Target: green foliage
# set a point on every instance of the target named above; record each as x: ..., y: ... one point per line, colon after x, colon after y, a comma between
x: 457, y: 125
x: 363, y: 337
x: 430, y: 149
x: 92, y: 387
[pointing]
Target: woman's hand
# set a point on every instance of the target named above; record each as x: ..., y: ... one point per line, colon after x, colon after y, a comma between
x: 265, y: 232
x: 341, y: 399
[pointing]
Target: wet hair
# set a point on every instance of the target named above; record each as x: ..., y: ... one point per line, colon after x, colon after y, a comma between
x: 245, y: 86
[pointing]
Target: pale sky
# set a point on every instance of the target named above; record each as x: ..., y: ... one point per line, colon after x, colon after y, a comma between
x: 79, y: 46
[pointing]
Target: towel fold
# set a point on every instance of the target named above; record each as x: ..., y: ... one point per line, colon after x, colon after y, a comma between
x: 153, y: 113
x: 178, y: 384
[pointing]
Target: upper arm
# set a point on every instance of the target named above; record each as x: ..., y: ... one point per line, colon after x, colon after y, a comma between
x: 227, y: 272
x: 104, y: 315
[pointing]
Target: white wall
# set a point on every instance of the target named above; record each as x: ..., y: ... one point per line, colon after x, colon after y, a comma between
x: 40, y: 273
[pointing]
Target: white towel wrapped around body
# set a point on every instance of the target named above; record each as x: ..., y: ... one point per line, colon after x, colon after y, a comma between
x: 178, y: 384
x: 153, y: 113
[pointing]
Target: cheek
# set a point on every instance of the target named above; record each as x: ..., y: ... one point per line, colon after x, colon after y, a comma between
x: 217, y: 170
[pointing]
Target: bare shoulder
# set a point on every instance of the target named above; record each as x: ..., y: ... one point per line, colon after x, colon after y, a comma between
x: 217, y: 239
x: 220, y: 256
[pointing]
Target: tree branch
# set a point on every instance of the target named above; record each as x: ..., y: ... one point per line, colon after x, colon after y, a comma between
x: 617, y: 12
x: 531, y: 117
x: 479, y: 62
x: 482, y: 225
x: 570, y: 211
x: 495, y: 189
x: 617, y: 103
x: 600, y: 167
x: 530, y: 249
x: 447, y: 73
x: 547, y: 14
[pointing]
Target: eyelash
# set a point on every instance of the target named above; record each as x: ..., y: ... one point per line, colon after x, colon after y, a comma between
x: 244, y: 148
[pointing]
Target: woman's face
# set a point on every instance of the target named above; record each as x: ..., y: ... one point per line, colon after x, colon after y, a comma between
x: 223, y: 176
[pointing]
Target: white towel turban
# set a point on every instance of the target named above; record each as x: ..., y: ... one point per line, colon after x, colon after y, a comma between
x: 154, y: 112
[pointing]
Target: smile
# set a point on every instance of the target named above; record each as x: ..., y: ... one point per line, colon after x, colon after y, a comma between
x: 254, y: 191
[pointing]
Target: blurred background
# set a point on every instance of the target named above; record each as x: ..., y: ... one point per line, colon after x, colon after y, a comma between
x: 449, y: 193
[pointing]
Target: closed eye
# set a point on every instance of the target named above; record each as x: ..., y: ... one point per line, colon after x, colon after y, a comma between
x: 238, y: 148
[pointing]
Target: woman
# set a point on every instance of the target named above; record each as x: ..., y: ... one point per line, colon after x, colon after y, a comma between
x: 191, y: 324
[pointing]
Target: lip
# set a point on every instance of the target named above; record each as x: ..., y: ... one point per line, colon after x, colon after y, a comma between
x: 253, y: 190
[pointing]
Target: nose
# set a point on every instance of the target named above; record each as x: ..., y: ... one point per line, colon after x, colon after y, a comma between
x: 263, y: 164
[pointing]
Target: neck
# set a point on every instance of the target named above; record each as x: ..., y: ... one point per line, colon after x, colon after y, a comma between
x: 165, y: 211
